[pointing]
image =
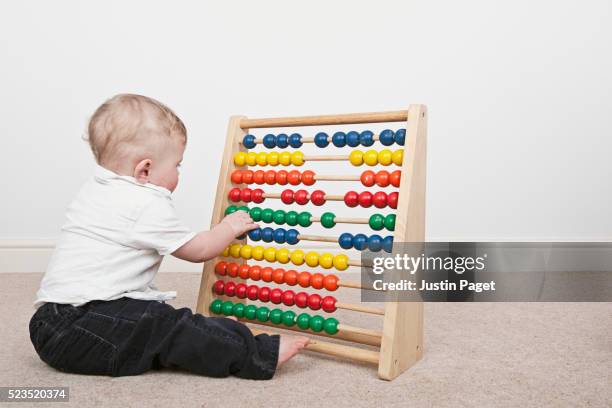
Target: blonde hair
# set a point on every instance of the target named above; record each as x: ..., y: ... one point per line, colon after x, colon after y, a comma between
x: 130, y: 125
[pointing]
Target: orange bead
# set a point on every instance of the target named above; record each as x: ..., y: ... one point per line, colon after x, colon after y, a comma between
x: 303, y: 279
x: 247, y: 176
x: 316, y: 281
x: 382, y: 178
x: 308, y: 178
x: 220, y: 268
x: 291, y: 277
x: 232, y: 269
x: 266, y: 274
x: 236, y: 176
x: 258, y: 176
x: 394, y: 178
x: 270, y: 177
x: 278, y: 276
x: 294, y: 177
x: 330, y: 282
x: 281, y: 177
x: 243, y: 271
x: 255, y: 272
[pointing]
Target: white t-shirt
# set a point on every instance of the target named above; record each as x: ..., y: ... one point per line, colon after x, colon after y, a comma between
x: 113, y: 242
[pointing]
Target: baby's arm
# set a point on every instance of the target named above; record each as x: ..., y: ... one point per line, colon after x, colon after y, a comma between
x: 208, y: 244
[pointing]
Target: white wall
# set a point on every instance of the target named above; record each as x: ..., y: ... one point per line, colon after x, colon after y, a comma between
x: 519, y: 94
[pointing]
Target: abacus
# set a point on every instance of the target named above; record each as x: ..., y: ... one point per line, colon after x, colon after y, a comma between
x: 228, y: 284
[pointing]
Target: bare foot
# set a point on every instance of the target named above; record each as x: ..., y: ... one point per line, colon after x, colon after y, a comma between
x: 289, y: 347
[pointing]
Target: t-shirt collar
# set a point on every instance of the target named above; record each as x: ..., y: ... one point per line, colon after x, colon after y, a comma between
x: 103, y: 173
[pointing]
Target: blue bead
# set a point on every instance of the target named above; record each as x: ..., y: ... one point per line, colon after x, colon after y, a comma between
x: 295, y: 140
x: 269, y: 141
x: 388, y: 244
x: 366, y: 138
x: 248, y: 141
x: 339, y: 139
x: 352, y: 138
x: 267, y: 234
x: 360, y: 241
x: 279, y: 235
x: 400, y: 137
x: 282, y: 140
x: 375, y: 243
x: 346, y: 240
x: 255, y: 234
x: 292, y: 236
x: 386, y: 137
x: 321, y: 139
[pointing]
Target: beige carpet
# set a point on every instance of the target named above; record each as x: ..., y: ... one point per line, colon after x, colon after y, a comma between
x: 482, y: 355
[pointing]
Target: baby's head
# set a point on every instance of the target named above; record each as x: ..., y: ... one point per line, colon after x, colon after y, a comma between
x: 137, y: 136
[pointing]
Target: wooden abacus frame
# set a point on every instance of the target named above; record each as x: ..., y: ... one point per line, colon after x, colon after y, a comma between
x: 401, y: 339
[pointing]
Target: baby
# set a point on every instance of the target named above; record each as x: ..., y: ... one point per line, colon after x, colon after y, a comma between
x: 98, y: 311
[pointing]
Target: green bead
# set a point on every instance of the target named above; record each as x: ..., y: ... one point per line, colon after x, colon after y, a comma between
x: 238, y: 310
x: 303, y: 321
x: 243, y: 208
x: 330, y: 325
x: 390, y: 222
x: 263, y: 313
x: 291, y: 218
x: 377, y: 222
x: 231, y: 209
x: 215, y: 306
x: 288, y: 318
x: 279, y: 217
x: 250, y: 312
x: 316, y: 323
x: 227, y: 308
x: 266, y: 215
x: 255, y: 214
x: 304, y: 219
x: 276, y: 316
x: 327, y: 220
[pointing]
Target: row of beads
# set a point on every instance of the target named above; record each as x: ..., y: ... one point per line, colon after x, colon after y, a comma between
x: 271, y: 141
x: 288, y: 318
x: 339, y: 139
x: 372, y: 157
x: 282, y: 177
x: 356, y: 157
x: 283, y: 255
x: 275, y: 295
x: 279, y: 275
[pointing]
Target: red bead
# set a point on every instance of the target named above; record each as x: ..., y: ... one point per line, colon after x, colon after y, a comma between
x: 294, y: 177
x: 266, y: 274
x: 316, y: 280
x: 291, y: 277
x: 382, y: 178
x: 317, y: 197
x: 392, y: 199
x: 230, y: 288
x: 218, y: 287
x: 243, y: 271
x: 395, y: 177
x: 330, y: 282
x: 252, y: 292
x: 263, y: 294
x: 301, y: 299
x: 241, y: 290
x: 328, y: 304
x: 288, y: 297
x: 367, y: 178
x: 303, y: 279
x: 301, y: 197
x: 257, y: 195
x: 270, y: 177
x: 259, y: 177
x: 308, y: 178
x: 255, y: 272
x: 234, y: 195
x: 380, y: 199
x: 351, y: 199
x: 236, y: 176
x: 232, y: 269
x: 286, y: 196
x: 281, y: 177
x: 314, y: 301
x: 247, y: 176
x: 278, y: 275
x: 365, y: 199
x: 220, y: 268
x: 276, y: 296
x: 245, y: 195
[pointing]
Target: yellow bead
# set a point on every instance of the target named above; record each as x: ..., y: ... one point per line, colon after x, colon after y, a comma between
x: 273, y: 158
x: 226, y: 251
x: 251, y: 158
x: 312, y: 259
x: 384, y: 157
x: 356, y: 157
x: 240, y: 158
x: 341, y: 262
x: 398, y: 157
x: 270, y: 254
x: 245, y: 251
x: 297, y: 257
x: 326, y: 260
x: 257, y: 253
x: 371, y: 157
x: 262, y: 158
x: 282, y: 255
x: 235, y: 250
x: 284, y: 158
x: 297, y: 158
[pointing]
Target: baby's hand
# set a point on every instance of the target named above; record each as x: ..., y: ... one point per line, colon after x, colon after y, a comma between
x: 240, y: 222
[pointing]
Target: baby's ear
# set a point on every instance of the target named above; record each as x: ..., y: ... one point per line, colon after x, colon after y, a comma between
x: 142, y: 171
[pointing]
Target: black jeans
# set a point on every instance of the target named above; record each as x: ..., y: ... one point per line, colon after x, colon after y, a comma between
x: 129, y: 336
